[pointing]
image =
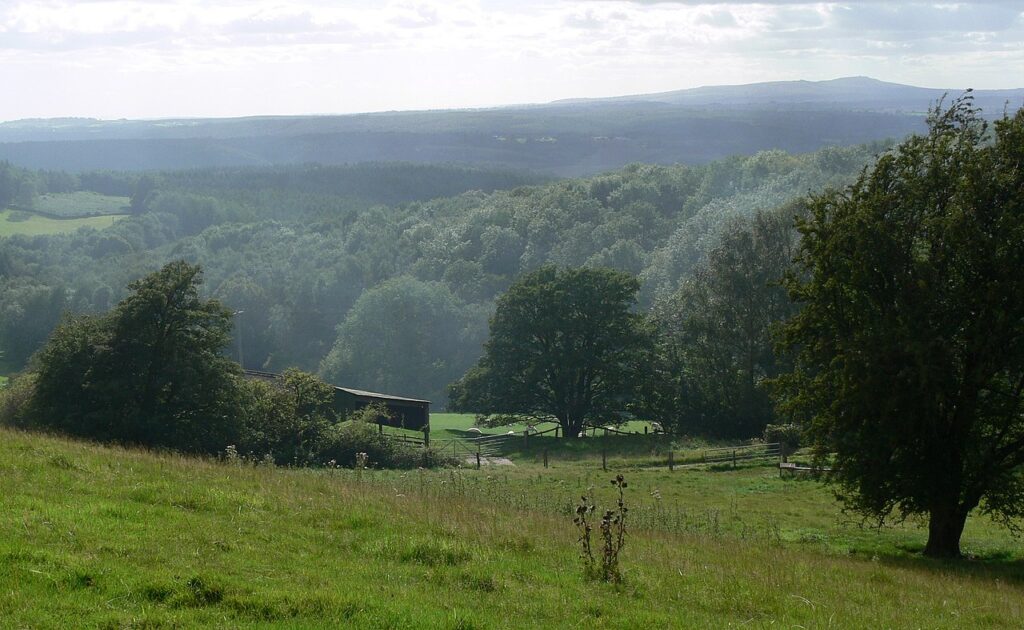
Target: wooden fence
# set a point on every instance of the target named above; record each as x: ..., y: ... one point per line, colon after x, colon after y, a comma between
x: 476, y: 449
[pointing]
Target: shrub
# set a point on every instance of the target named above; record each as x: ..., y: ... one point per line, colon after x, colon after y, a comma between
x: 14, y: 399
x: 786, y: 434
x: 344, y: 442
x: 287, y: 419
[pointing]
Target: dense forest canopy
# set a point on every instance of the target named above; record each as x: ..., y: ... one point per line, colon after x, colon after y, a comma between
x: 316, y: 257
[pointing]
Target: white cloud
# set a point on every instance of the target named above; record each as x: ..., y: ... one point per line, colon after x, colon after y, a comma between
x: 167, y: 57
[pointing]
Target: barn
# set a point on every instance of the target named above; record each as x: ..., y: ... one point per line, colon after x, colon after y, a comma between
x: 404, y: 413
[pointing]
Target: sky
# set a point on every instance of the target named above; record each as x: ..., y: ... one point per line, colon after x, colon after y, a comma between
x: 175, y: 58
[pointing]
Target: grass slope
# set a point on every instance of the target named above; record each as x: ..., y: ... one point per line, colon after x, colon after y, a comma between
x: 104, y: 537
x: 36, y: 225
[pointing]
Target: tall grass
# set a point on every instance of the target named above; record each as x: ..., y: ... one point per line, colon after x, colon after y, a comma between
x: 105, y: 537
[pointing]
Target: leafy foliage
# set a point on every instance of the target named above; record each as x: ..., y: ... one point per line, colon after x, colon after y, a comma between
x: 405, y: 336
x: 297, y: 247
x: 287, y: 420
x: 151, y: 372
x: 715, y: 348
x: 563, y: 344
x: 909, y: 348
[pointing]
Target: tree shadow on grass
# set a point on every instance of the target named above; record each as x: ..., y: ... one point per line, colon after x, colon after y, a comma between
x: 995, y: 565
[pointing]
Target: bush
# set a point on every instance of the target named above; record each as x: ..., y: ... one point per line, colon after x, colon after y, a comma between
x: 359, y: 434
x: 787, y: 434
x: 14, y: 398
x: 287, y: 420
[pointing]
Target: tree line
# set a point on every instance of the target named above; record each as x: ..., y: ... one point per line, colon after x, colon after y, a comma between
x: 318, y: 271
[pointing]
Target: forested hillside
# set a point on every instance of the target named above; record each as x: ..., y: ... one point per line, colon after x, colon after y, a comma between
x: 569, y: 138
x: 385, y: 286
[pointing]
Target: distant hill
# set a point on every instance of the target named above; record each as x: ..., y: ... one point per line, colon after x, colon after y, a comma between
x: 567, y: 138
x: 845, y: 93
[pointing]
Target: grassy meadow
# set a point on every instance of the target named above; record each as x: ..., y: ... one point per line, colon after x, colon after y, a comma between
x: 13, y: 222
x: 95, y: 536
x: 82, y: 203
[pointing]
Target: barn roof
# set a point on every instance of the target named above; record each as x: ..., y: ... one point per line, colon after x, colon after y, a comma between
x: 366, y: 394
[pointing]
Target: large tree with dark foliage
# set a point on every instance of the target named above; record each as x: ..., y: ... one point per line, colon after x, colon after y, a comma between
x: 909, y: 348
x: 150, y: 372
x: 564, y: 344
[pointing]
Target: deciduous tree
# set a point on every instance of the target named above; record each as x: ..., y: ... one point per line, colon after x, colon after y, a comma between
x: 564, y: 344
x: 151, y: 372
x: 909, y: 347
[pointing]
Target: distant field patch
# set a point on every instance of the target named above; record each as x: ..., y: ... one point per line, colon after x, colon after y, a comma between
x: 80, y: 204
x: 13, y: 222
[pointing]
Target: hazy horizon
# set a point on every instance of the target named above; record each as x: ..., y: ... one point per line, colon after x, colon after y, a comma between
x: 141, y: 59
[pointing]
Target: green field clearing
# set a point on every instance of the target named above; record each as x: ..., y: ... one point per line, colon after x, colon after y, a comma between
x: 105, y: 537
x: 35, y: 225
x: 81, y: 204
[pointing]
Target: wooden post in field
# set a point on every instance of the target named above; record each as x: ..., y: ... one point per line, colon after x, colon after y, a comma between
x: 645, y: 429
x: 671, y: 462
x: 545, y: 458
x: 526, y: 438
x: 426, y: 436
x: 734, y: 458
x: 557, y: 427
x: 380, y: 427
x: 604, y: 456
x: 478, y: 457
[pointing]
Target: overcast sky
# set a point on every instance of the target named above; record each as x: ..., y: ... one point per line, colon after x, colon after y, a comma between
x: 162, y: 58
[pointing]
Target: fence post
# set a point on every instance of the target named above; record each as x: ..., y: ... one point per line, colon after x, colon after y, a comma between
x: 604, y: 457
x: 426, y: 436
x: 526, y: 438
x: 734, y: 458
x: 545, y: 458
x: 671, y: 462
x: 478, y: 457
x: 557, y: 427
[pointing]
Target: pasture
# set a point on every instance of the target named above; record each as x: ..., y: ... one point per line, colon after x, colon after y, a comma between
x: 14, y: 223
x: 107, y: 537
x: 80, y: 204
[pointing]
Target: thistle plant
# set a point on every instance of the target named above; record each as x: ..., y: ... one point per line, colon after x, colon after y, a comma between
x: 613, y: 535
x: 585, y: 507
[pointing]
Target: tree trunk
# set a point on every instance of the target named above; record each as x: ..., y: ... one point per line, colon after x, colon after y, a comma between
x: 571, y: 429
x: 945, y: 526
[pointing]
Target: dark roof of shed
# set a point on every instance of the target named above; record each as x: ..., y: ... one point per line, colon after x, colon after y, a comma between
x: 271, y: 376
x: 366, y: 394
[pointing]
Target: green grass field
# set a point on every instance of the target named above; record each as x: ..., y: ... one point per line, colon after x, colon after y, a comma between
x: 93, y: 536
x: 36, y: 225
x: 81, y: 204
